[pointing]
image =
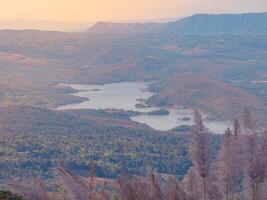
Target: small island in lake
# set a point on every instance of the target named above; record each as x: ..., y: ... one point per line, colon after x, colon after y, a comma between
x: 182, y: 129
x: 122, y: 113
x: 186, y: 119
x: 159, y: 112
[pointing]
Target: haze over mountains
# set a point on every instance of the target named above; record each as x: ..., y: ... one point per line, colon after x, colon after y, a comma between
x: 147, y: 51
x: 208, y: 24
x: 204, y: 24
x: 65, y: 26
x: 229, y: 50
x: 216, y: 63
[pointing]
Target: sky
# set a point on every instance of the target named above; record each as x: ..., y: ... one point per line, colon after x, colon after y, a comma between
x: 95, y: 10
x: 117, y: 10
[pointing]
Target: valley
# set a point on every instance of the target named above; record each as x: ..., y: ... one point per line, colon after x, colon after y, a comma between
x: 124, y: 96
x: 185, y: 60
x: 74, y: 97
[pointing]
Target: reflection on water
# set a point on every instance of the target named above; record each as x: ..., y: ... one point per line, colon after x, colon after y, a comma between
x: 125, y: 95
x: 110, y: 96
x: 166, y: 122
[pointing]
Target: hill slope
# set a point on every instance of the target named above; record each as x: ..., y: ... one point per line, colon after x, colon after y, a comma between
x: 35, y: 140
x: 34, y: 62
x: 252, y: 23
x: 203, y: 24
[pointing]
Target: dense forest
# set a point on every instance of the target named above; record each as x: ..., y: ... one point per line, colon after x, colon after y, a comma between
x: 35, y: 140
x: 215, y: 63
x: 238, y: 171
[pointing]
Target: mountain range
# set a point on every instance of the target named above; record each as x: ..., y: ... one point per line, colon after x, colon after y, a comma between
x: 214, y: 62
x: 204, y: 24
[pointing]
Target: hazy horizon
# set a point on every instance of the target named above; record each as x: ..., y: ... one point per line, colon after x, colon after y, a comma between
x: 67, y: 26
x: 78, y: 26
x: 68, y: 15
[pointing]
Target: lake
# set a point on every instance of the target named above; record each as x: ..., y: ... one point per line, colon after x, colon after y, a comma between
x: 125, y: 96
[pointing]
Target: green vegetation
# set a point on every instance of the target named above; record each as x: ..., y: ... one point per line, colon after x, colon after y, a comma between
x: 6, y: 195
x: 237, y: 171
x: 34, y: 140
x: 159, y: 112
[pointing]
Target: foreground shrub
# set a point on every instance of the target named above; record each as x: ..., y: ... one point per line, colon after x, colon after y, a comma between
x: 6, y: 195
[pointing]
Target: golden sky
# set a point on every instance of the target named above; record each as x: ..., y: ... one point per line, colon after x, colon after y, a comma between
x: 94, y: 10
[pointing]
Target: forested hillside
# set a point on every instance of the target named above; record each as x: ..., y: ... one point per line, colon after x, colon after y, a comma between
x: 213, y: 64
x: 35, y: 140
x: 238, y: 171
x: 234, y: 24
x: 200, y: 24
x: 45, y: 59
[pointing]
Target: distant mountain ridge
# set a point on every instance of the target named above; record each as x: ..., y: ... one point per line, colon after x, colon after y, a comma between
x: 251, y: 23
x: 200, y: 24
x: 111, y: 27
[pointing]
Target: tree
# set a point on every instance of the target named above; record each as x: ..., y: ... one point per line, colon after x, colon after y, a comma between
x: 256, y: 167
x: 248, y: 123
x: 7, y: 195
x: 34, y: 189
x: 191, y: 184
x: 151, y: 187
x: 214, y: 192
x: 256, y: 162
x: 174, y: 191
x: 154, y: 189
x: 229, y: 163
x: 80, y: 189
x: 200, y: 150
x: 128, y: 187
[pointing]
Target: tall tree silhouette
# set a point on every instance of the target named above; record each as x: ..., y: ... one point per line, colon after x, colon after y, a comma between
x: 256, y: 165
x: 200, y: 150
x: 192, y: 184
x: 230, y: 163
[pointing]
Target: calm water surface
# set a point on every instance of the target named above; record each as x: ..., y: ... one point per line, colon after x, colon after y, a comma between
x: 125, y: 96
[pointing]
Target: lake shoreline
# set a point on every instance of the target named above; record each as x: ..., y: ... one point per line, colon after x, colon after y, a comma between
x: 122, y: 97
